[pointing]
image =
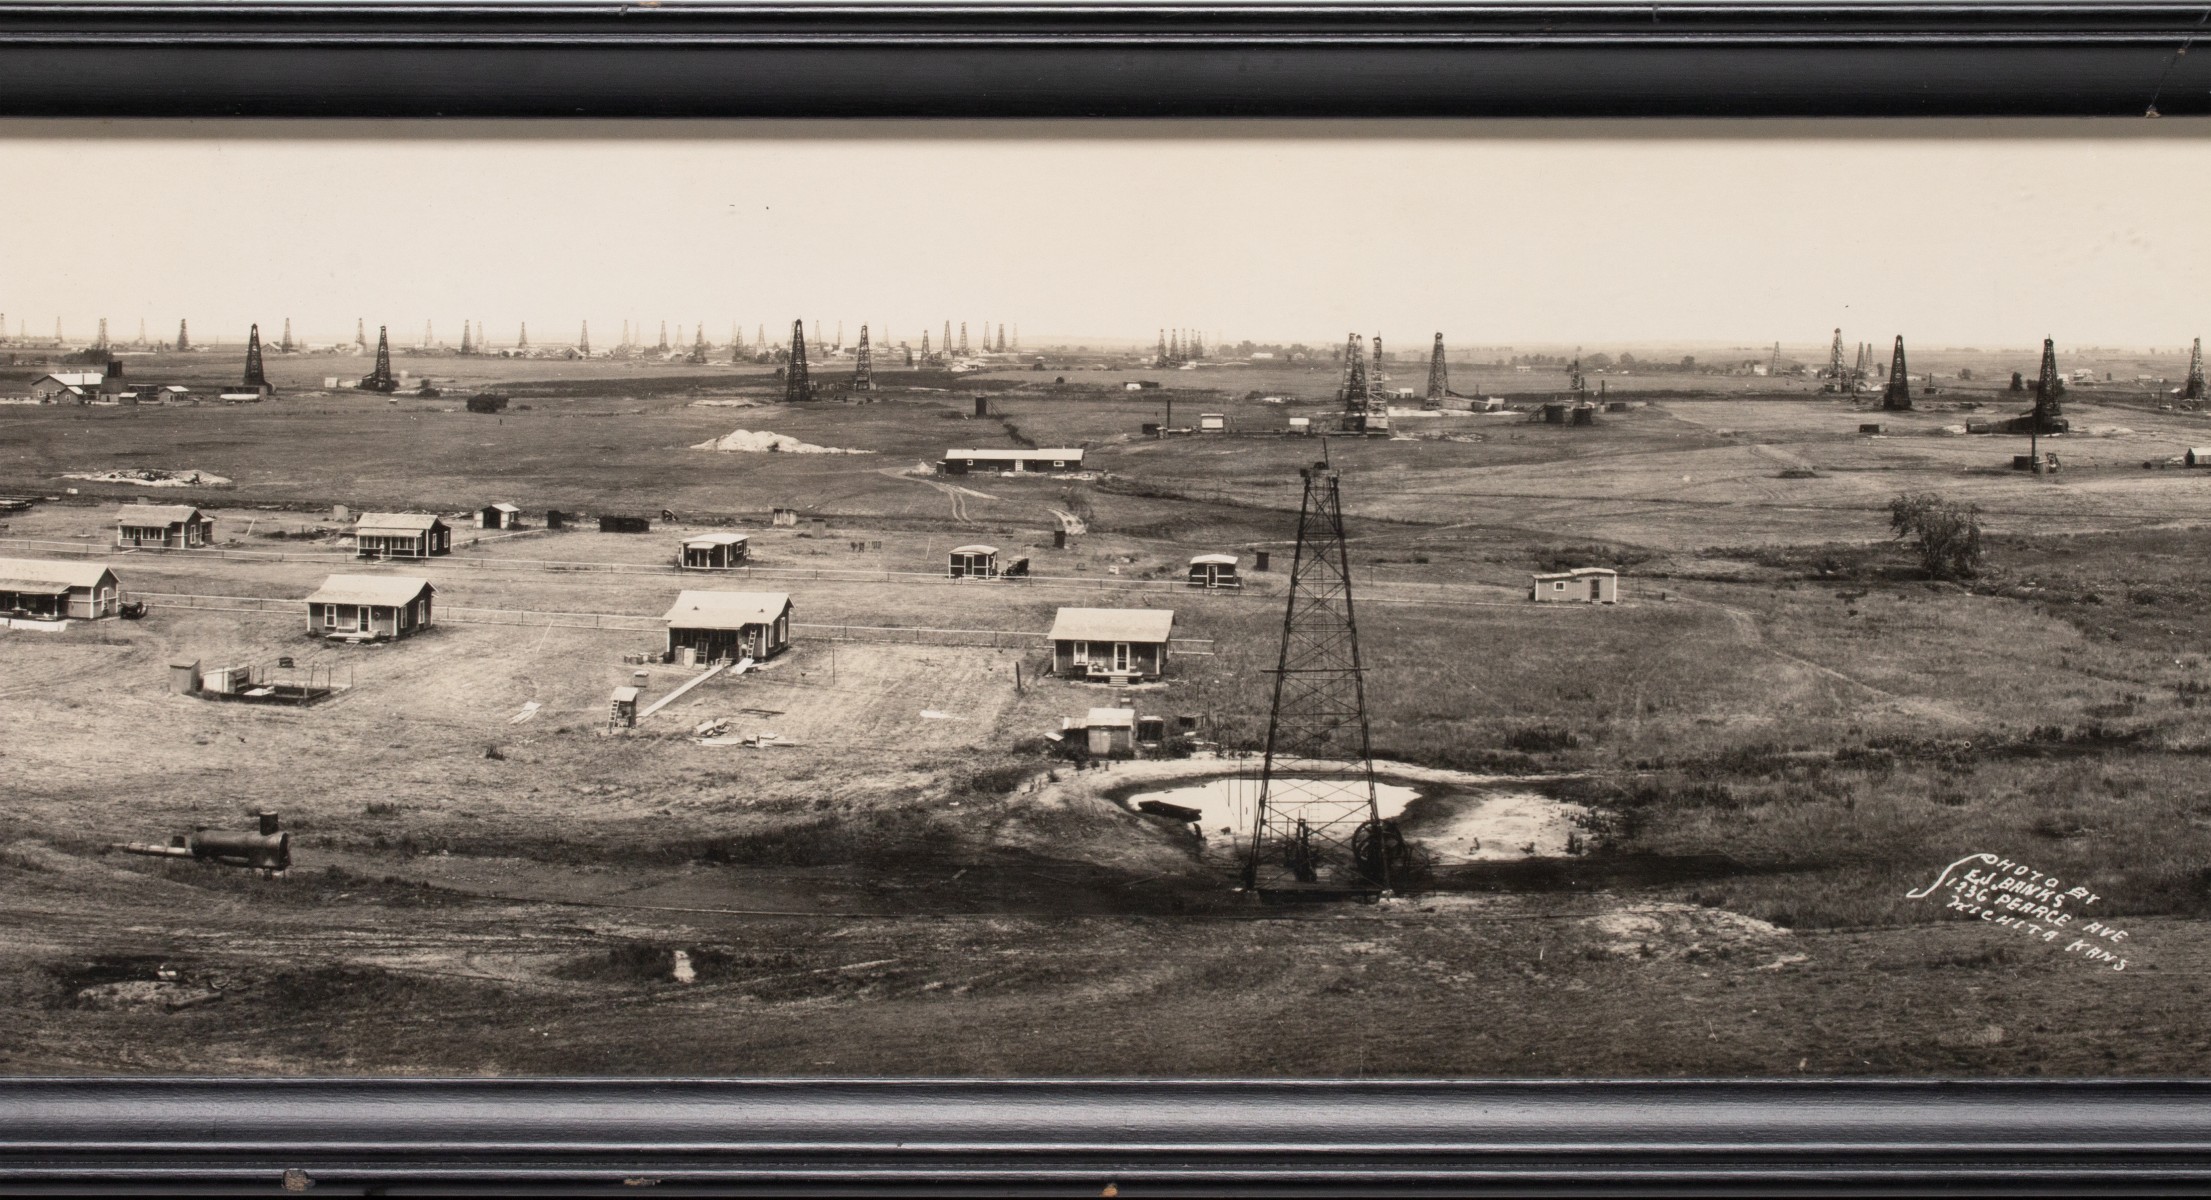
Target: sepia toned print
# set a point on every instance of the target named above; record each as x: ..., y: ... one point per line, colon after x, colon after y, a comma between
x: 1306, y: 601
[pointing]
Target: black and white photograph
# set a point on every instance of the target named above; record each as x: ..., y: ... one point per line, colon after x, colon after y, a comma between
x: 1105, y: 599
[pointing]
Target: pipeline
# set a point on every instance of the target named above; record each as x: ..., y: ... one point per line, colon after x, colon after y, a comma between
x: 268, y: 848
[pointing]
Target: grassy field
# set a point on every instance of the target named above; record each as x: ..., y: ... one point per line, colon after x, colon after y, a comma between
x: 1781, y: 731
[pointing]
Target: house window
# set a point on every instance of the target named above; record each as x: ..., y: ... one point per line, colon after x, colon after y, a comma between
x: 1081, y: 653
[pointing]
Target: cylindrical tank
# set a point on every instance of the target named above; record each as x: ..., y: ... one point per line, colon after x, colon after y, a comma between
x: 267, y: 851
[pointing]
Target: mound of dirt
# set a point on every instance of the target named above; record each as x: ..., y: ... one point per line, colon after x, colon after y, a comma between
x: 1656, y: 931
x: 748, y: 441
x: 152, y: 477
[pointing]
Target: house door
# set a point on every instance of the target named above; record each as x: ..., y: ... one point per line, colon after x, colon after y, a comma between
x: 1596, y: 590
x: 1120, y: 658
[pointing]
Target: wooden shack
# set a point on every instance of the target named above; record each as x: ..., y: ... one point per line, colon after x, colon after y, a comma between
x: 499, y: 516
x: 370, y: 608
x: 164, y: 526
x: 401, y: 535
x: 1117, y: 645
x: 625, y: 525
x: 713, y: 552
x: 1214, y: 572
x: 1590, y: 585
x: 38, y: 589
x: 973, y: 562
x: 719, y: 626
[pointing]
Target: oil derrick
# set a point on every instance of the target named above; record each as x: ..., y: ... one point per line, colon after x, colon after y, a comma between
x: 796, y: 387
x: 1898, y: 396
x: 963, y: 339
x: 1001, y: 337
x: 286, y: 346
x: 380, y: 379
x: 863, y: 370
x: 2194, y: 390
x: 1160, y: 359
x: 1439, y: 376
x: 1835, y: 366
x: 1197, y: 344
x: 909, y: 349
x: 698, y: 347
x: 924, y: 346
x: 522, y: 338
x: 184, y: 338
x: 140, y: 343
x: 254, y: 378
x: 360, y: 335
x: 1017, y: 337
x: 1318, y: 826
x: 663, y: 346
x: 2048, y: 416
x: 946, y: 344
x: 1858, y: 369
x: 99, y: 341
x: 1354, y: 376
x: 468, y: 343
x: 426, y: 335
x: 840, y: 333
x: 583, y: 340
x: 1574, y: 381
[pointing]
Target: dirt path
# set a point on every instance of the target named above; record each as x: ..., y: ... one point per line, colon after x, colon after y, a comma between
x: 1747, y: 624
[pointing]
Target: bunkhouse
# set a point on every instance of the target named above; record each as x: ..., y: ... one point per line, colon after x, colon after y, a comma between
x: 1117, y: 645
x: 719, y: 626
x: 1214, y: 572
x: 168, y: 526
x: 973, y: 562
x: 370, y: 608
x: 961, y: 462
x: 1584, y: 585
x: 40, y: 590
x: 400, y: 535
x: 499, y: 516
x: 714, y: 551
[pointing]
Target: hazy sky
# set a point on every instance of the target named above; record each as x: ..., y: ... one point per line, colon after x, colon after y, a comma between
x: 1606, y: 235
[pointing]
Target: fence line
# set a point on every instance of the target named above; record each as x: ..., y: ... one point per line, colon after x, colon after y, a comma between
x: 1002, y: 639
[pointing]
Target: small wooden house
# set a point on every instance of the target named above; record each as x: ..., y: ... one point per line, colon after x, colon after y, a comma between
x: 1214, y: 572
x: 401, y: 535
x: 38, y: 589
x: 167, y: 526
x: 974, y: 562
x: 1582, y: 585
x: 718, y: 626
x: 1110, y: 732
x: 499, y: 516
x: 2199, y: 456
x: 714, y: 552
x: 1118, y: 645
x: 369, y: 608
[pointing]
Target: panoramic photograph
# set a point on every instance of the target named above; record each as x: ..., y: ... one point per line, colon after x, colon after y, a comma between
x: 1313, y: 600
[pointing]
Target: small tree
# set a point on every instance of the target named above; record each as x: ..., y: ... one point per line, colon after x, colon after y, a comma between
x: 1949, y: 534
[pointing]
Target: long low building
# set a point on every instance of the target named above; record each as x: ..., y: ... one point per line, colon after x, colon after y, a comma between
x: 401, y: 535
x: 960, y: 462
x: 370, y: 607
x: 42, y: 589
x: 728, y: 625
x: 1113, y: 644
x: 169, y: 526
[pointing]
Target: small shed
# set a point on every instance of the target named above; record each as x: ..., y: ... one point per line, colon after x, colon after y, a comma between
x: 1212, y: 423
x: 1214, y: 572
x: 401, y: 535
x: 487, y: 402
x: 973, y: 562
x: 1111, y: 732
x: 362, y: 608
x: 783, y: 516
x: 168, y: 526
x: 2199, y: 456
x: 625, y: 525
x: 1590, y: 585
x: 500, y: 516
x: 714, y: 551
x: 719, y: 626
x: 38, y: 589
x: 622, y: 713
x: 1114, y: 644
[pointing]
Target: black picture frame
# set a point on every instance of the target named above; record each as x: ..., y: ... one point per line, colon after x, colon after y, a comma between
x: 1130, y: 61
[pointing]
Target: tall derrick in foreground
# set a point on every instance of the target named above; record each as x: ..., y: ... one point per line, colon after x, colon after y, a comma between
x: 379, y: 378
x: 1439, y: 376
x: 796, y: 386
x: 254, y: 378
x: 1897, y: 397
x: 2194, y: 388
x: 863, y: 370
x: 2048, y: 415
x: 1318, y: 825
x: 286, y: 346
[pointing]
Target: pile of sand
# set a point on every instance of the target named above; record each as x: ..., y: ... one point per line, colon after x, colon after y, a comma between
x: 151, y: 477
x: 761, y: 441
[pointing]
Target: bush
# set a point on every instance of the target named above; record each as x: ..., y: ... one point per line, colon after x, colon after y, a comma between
x: 1948, y: 534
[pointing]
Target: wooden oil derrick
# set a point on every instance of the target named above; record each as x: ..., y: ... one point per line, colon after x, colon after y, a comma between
x: 379, y: 378
x: 583, y: 339
x: 2048, y: 415
x: 468, y: 338
x: 254, y: 378
x: 1835, y: 365
x: 663, y: 346
x: 286, y: 346
x: 2194, y: 388
x: 1439, y: 376
x: 1317, y: 827
x: 698, y: 345
x: 99, y: 341
x: 1897, y: 396
x: 863, y: 369
x: 796, y: 386
x: 360, y: 334
x: 184, y: 337
x: 1354, y: 384
x: 963, y: 339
